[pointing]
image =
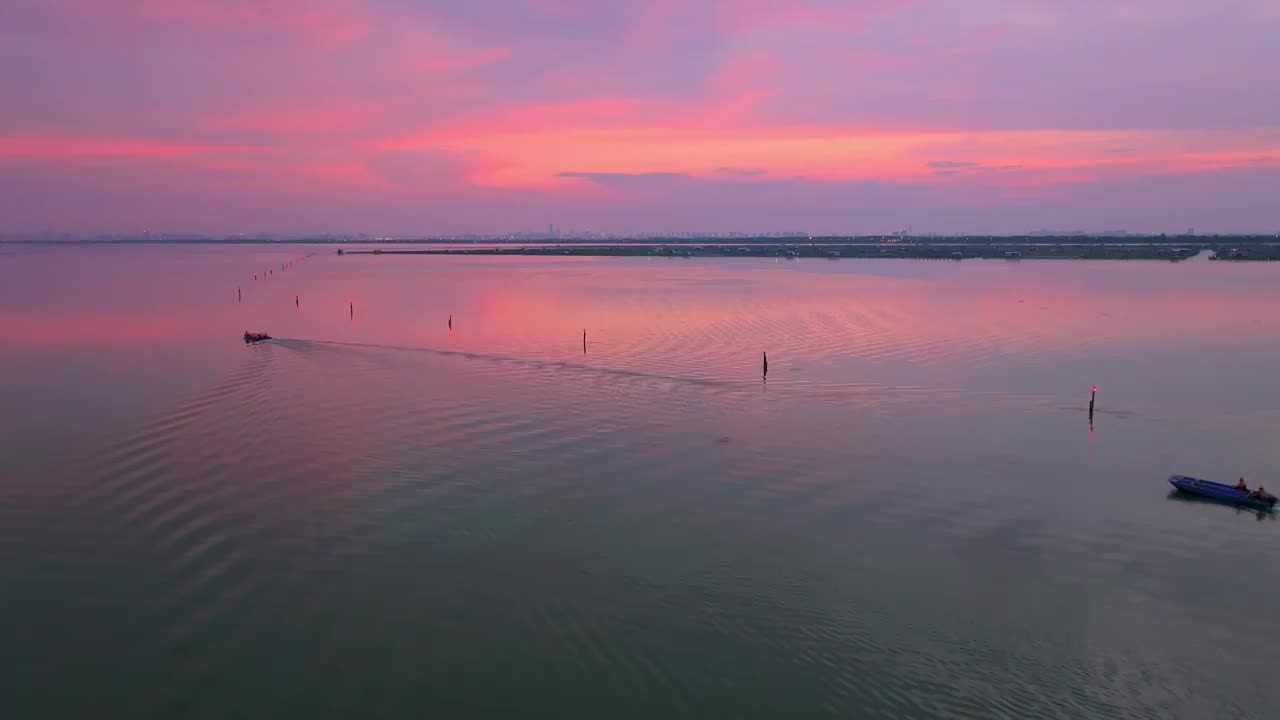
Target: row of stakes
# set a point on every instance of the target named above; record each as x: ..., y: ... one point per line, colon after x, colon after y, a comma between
x: 351, y: 304
x: 267, y: 273
x: 764, y: 373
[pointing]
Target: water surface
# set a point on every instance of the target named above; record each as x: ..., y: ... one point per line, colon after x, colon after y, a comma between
x: 379, y: 515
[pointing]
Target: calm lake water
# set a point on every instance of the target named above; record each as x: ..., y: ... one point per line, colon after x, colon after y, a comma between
x: 376, y: 515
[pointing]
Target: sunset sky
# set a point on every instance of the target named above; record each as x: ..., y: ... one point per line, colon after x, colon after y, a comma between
x: 435, y: 117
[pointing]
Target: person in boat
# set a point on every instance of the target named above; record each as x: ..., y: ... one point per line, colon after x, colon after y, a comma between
x: 1259, y: 494
x: 1241, y: 486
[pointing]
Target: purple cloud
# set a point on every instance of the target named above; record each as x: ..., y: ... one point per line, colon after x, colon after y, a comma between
x: 347, y: 112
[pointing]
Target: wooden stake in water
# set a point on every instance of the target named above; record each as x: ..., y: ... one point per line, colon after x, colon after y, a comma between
x: 1092, y: 397
x: 766, y: 365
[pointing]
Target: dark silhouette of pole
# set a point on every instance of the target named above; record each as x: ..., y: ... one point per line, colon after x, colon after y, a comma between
x: 766, y: 365
x: 352, y: 303
x: 450, y: 321
x: 584, y: 341
x: 297, y: 302
x: 239, y: 295
x: 1092, y: 398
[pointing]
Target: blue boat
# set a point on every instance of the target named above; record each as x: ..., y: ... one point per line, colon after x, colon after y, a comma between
x: 1222, y: 493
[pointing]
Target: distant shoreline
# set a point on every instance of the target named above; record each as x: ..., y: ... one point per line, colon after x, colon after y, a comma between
x: 1202, y: 241
x: 1129, y: 247
x: 931, y: 251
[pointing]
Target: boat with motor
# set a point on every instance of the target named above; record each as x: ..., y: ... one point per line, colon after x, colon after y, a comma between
x: 1253, y: 499
x: 255, y: 337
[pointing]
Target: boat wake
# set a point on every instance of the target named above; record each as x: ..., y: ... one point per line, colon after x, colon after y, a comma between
x: 865, y: 393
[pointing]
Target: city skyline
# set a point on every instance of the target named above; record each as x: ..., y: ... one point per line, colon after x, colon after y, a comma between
x: 436, y: 118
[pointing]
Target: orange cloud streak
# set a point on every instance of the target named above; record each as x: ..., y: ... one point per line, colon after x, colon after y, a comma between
x: 534, y: 148
x: 72, y: 147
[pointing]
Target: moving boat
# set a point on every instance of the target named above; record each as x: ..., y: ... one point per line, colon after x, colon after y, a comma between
x: 1223, y: 493
x: 255, y: 337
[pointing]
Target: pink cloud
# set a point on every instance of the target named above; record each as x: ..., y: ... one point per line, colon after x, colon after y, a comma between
x: 383, y: 103
x: 328, y: 22
x: 330, y: 117
x: 443, y: 63
x: 422, y: 45
x: 560, y: 8
x: 72, y: 147
x: 826, y: 15
x: 660, y: 22
x: 663, y: 22
x: 584, y: 114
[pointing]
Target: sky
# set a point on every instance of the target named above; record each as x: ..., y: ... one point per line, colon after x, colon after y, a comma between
x: 434, y: 117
